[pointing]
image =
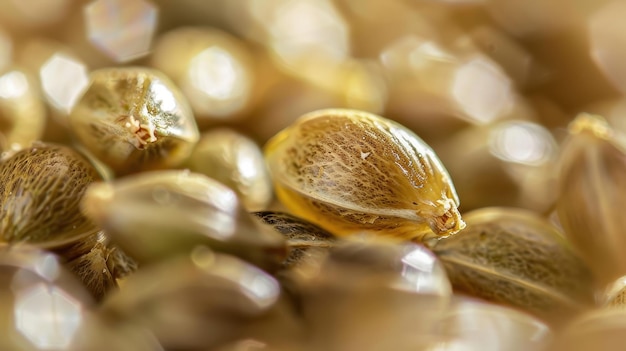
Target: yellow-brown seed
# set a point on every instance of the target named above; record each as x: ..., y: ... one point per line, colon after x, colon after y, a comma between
x: 236, y: 161
x: 351, y: 171
x: 516, y: 257
x: 592, y: 195
x: 134, y: 119
x: 40, y: 189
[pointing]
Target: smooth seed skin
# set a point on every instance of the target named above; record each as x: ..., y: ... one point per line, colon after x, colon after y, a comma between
x: 236, y: 161
x: 41, y: 188
x: 134, y: 119
x: 215, y: 71
x: 350, y: 171
x: 22, y: 113
x: 591, y: 201
x: 477, y: 325
x: 159, y: 214
x: 195, y: 301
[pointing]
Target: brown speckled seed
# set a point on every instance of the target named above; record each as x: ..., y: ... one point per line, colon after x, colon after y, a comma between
x: 40, y: 190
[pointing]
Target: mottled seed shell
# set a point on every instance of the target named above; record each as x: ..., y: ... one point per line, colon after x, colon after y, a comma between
x: 515, y: 257
x: 92, y: 269
x: 236, y: 161
x: 592, y: 187
x: 301, y: 235
x: 41, y: 188
x: 351, y: 171
x: 134, y: 119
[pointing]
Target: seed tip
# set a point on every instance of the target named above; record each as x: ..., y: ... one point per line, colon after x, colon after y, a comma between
x: 588, y: 123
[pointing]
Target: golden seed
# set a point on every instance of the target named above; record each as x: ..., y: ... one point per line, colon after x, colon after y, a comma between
x: 134, y: 119
x: 236, y: 161
x: 22, y: 112
x: 215, y: 71
x: 351, y: 171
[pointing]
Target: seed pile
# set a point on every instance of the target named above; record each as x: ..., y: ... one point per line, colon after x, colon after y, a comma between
x: 320, y: 175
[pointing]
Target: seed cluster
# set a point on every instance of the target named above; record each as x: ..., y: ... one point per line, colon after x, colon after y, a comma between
x: 316, y: 175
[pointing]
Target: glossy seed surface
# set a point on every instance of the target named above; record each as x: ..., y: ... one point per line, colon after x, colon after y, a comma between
x: 351, y: 171
x: 517, y: 258
x: 22, y: 113
x: 237, y: 161
x: 42, y: 305
x: 477, y: 325
x: 153, y: 215
x: 134, y: 119
x: 195, y: 300
x: 362, y: 286
x: 41, y: 188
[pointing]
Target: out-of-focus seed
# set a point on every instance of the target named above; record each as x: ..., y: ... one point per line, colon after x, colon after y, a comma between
x: 134, y: 119
x: 41, y: 188
x: 615, y: 294
x: 97, y: 333
x: 214, y: 69
x: 406, y: 267
x: 22, y: 112
x: 592, y: 187
x: 476, y: 325
x: 351, y: 171
x: 402, y: 286
x: 236, y: 161
x: 517, y: 258
x: 153, y: 215
x: 42, y: 305
x: 196, y: 301
x: 597, y: 330
x: 506, y: 163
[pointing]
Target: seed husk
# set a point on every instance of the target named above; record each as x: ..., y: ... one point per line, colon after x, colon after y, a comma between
x: 350, y: 171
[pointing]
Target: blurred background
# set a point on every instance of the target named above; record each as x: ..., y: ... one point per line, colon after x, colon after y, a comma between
x: 489, y: 84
